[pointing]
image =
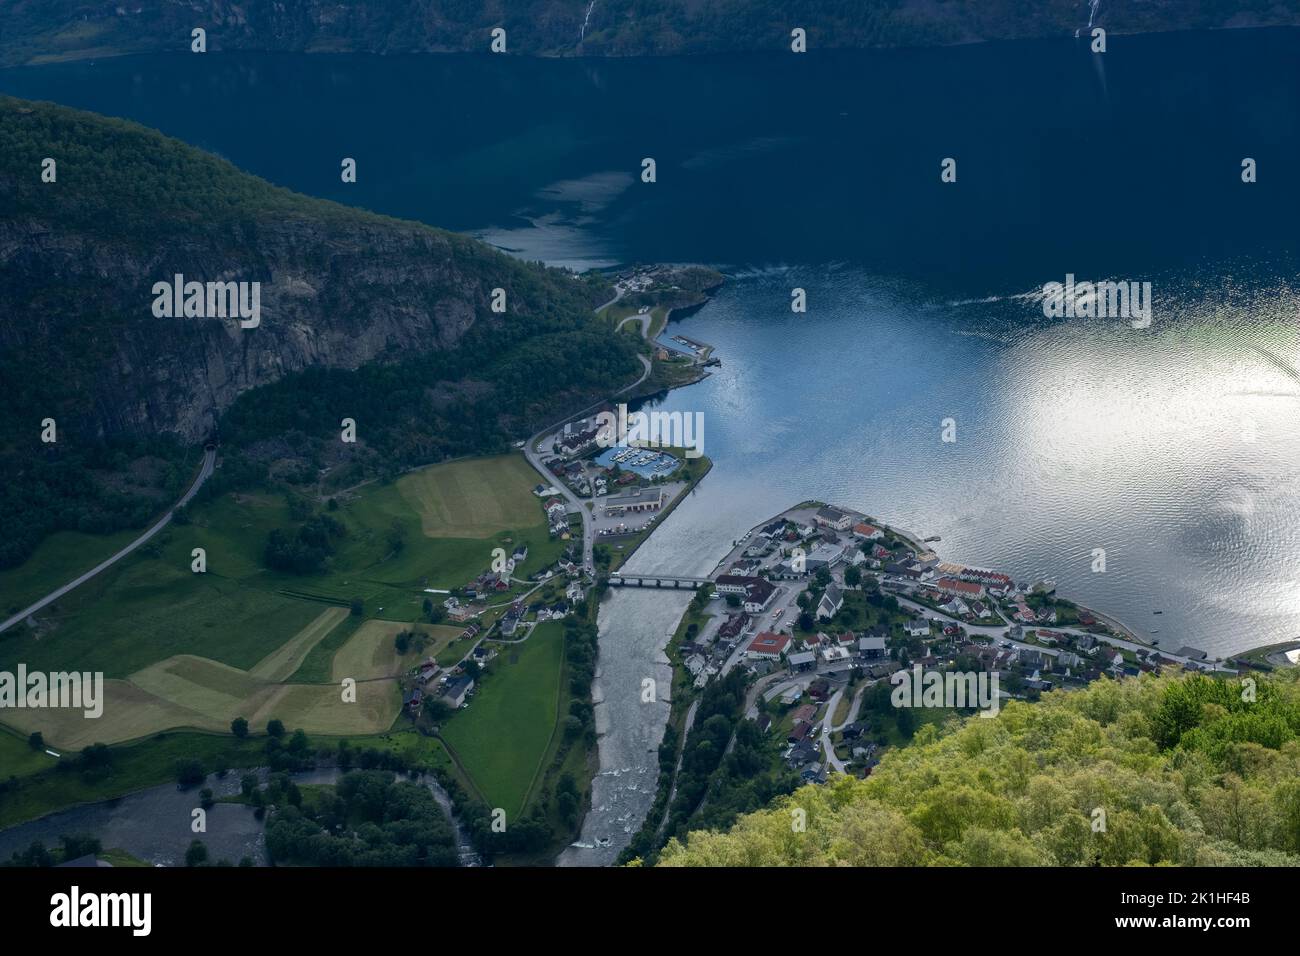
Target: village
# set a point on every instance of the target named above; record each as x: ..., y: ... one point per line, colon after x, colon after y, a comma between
x: 822, y: 604
x: 597, y: 491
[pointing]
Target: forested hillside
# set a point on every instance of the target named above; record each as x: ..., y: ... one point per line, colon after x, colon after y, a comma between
x: 387, y: 322
x: 1183, y: 771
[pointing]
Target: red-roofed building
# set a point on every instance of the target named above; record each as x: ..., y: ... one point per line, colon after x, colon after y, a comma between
x: 868, y: 531
x: 992, y: 578
x: 768, y: 646
x: 965, y: 589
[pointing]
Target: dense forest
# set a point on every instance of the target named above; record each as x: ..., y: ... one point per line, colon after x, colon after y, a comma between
x: 370, y: 818
x: 473, y: 400
x: 1189, y: 770
x: 728, y: 767
x: 80, y: 28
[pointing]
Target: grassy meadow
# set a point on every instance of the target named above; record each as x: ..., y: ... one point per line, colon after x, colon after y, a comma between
x: 502, y: 737
x: 184, y: 649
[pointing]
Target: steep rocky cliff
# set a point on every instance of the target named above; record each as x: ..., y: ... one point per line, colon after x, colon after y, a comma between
x: 128, y: 208
x: 358, y: 315
x: 40, y: 30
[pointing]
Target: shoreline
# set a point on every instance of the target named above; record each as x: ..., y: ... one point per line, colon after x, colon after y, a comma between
x: 1121, y: 632
x: 310, y: 47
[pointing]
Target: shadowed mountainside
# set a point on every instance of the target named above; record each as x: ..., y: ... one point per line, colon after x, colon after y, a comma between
x: 76, y: 29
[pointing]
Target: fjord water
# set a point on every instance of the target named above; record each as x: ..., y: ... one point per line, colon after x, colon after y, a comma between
x: 1172, y: 448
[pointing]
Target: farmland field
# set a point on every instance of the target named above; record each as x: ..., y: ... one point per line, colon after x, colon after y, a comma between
x: 180, y: 649
x: 282, y: 662
x: 474, y: 497
x: 503, y: 735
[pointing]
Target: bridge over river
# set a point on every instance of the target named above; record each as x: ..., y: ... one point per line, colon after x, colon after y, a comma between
x: 664, y: 581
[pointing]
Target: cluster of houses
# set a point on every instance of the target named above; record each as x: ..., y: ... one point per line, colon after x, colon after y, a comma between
x: 803, y: 752
x: 868, y: 650
x: 513, y: 622
x: 573, y: 444
x: 1035, y: 653
x: 452, y: 687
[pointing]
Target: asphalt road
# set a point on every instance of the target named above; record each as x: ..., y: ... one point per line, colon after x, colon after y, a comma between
x: 576, y: 503
x: 209, y: 458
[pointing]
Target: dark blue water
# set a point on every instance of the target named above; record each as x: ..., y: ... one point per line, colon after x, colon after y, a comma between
x: 1066, y: 160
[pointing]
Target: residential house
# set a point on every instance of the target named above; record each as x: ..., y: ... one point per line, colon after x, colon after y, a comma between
x: 456, y: 690
x: 1029, y: 657
x: 990, y: 578
x: 855, y: 730
x: 872, y: 648
x: 956, y: 608
x: 805, y: 713
x: 969, y: 590
x: 813, y: 773
x: 802, y: 660
x: 758, y: 595
x: 801, y: 754
x: 734, y: 626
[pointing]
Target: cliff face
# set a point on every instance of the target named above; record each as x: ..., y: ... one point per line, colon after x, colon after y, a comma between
x: 79, y: 258
x: 39, y: 30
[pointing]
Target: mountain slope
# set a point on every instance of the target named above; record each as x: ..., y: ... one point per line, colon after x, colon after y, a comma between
x: 1144, y: 771
x: 64, y: 29
x: 130, y: 207
x: 340, y: 289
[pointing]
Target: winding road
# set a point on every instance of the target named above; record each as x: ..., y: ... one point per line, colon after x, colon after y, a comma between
x: 205, y: 472
x: 535, y: 457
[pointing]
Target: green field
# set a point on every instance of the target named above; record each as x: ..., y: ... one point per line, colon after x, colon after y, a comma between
x: 502, y: 737
x: 286, y: 659
x: 473, y: 497
x: 57, y: 560
x: 18, y: 759
x: 185, y: 650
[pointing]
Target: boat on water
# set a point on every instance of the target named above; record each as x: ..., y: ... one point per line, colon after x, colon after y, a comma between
x: 1157, y: 612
